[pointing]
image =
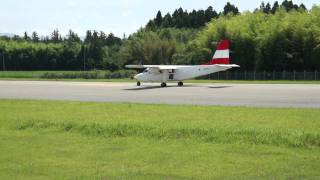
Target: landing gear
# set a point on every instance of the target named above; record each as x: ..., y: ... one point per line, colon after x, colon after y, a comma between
x: 163, y: 84
x: 180, y: 84
x: 138, y: 83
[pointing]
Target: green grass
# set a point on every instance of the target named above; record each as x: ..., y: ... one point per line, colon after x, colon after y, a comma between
x: 81, y: 140
x: 124, y: 80
x: 28, y: 74
x: 97, y: 74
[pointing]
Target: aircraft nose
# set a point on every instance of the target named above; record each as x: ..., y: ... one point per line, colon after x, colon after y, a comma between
x: 137, y: 77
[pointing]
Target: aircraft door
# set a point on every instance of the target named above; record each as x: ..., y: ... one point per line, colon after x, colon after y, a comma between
x: 171, y: 74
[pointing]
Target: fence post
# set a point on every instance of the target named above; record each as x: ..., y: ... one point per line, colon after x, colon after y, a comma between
x: 245, y: 75
x: 218, y: 75
x: 304, y: 75
x: 294, y: 75
x: 227, y: 78
x: 274, y: 75
x: 235, y: 75
x: 3, y: 62
x: 254, y: 75
x: 264, y: 75
x: 315, y: 75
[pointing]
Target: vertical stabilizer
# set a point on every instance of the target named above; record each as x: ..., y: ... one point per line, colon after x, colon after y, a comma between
x: 221, y: 55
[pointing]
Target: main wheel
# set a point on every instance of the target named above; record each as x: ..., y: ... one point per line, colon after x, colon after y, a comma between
x: 180, y: 83
x: 163, y: 85
x: 138, y: 84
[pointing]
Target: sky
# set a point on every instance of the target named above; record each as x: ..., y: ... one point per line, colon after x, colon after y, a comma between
x: 117, y: 16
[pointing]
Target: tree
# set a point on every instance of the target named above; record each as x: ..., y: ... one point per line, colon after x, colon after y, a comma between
x: 95, y: 51
x: 302, y: 7
x: 183, y: 19
x: 25, y: 36
x: 112, y: 40
x: 262, y: 6
x: 88, y: 37
x: 209, y: 14
x: 267, y: 9
x: 167, y: 21
x: 165, y: 34
x: 15, y: 38
x: 287, y: 5
x: 102, y: 36
x: 73, y: 37
x: 35, y: 37
x: 55, y: 36
x: 151, y: 26
x: 178, y: 18
x: 194, y: 23
x: 275, y: 7
x: 230, y: 8
x: 201, y: 18
x: 158, y: 20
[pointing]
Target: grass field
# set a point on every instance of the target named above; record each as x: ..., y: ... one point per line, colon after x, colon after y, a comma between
x: 78, y: 140
x: 29, y: 74
x: 97, y: 74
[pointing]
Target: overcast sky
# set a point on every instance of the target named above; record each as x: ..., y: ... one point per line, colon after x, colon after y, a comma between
x: 117, y: 16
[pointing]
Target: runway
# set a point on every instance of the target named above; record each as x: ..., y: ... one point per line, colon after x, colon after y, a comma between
x: 253, y: 95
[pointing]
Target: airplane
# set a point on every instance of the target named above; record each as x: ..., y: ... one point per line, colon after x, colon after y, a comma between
x: 165, y: 73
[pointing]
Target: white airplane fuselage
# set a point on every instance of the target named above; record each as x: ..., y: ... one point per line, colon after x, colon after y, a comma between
x: 165, y: 73
x: 179, y: 74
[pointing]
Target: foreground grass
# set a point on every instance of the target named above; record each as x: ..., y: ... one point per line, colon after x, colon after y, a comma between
x: 55, y: 139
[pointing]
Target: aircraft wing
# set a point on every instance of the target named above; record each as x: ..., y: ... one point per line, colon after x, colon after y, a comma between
x: 160, y: 67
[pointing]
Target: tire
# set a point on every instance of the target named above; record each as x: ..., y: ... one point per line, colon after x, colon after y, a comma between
x: 138, y: 84
x: 180, y: 84
x: 163, y: 85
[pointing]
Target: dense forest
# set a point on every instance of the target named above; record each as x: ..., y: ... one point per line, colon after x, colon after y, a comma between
x: 281, y: 36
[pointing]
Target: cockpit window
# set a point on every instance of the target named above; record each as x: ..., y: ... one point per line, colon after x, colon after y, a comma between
x: 145, y: 70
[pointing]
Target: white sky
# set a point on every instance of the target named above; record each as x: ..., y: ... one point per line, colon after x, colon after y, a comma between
x: 117, y: 16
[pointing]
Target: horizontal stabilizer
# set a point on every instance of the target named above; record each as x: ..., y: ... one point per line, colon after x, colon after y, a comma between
x: 227, y: 65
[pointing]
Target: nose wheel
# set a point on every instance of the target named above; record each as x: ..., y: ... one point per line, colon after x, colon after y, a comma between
x: 138, y: 83
x: 180, y: 84
x: 163, y: 84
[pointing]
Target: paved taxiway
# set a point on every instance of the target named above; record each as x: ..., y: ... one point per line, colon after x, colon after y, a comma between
x: 261, y: 95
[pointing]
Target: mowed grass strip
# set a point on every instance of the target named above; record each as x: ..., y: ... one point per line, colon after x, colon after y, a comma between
x: 63, y: 140
x: 293, y: 138
x: 291, y: 127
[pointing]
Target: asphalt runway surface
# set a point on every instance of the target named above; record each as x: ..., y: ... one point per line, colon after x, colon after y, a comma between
x: 254, y: 95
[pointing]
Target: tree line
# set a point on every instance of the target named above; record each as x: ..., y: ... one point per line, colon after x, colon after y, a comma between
x: 284, y: 36
x: 57, y: 53
x: 196, y: 19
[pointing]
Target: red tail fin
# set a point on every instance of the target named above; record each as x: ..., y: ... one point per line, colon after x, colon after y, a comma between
x: 221, y: 55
